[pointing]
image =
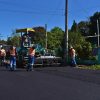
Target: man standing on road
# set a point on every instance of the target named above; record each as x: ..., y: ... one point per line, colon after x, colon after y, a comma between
x: 12, y: 58
x: 73, y: 55
x: 31, y: 58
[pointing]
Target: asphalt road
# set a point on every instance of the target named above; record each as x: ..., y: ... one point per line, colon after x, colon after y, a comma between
x: 49, y: 84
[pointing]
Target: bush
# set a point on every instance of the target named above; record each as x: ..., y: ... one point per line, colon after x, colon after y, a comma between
x: 84, y: 50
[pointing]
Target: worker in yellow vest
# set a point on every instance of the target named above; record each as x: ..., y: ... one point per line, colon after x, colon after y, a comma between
x: 12, y: 58
x: 31, y: 58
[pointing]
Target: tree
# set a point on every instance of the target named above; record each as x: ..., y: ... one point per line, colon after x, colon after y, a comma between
x: 55, y: 37
x: 75, y: 38
x: 93, y: 27
x: 3, y: 42
x: 74, y: 27
x: 38, y: 37
x: 93, y: 23
x: 14, y: 39
x: 83, y: 27
x: 55, y: 40
x: 83, y: 48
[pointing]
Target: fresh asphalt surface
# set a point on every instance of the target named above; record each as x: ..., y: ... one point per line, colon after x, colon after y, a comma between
x: 50, y: 83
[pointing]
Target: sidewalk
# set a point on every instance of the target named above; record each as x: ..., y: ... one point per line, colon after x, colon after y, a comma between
x: 73, y: 73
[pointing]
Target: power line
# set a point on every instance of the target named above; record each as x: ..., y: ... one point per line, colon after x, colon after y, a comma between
x: 85, y: 9
x: 28, y: 7
x: 30, y: 12
x: 58, y: 8
x: 34, y: 11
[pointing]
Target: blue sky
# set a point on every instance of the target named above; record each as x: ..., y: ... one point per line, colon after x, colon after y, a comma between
x: 31, y: 13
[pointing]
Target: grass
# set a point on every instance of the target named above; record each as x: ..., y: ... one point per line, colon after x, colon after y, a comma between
x: 92, y: 67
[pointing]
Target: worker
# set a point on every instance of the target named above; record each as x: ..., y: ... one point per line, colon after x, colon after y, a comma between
x: 3, y: 55
x: 73, y: 55
x: 25, y: 43
x: 31, y: 58
x: 26, y: 40
x: 13, y: 58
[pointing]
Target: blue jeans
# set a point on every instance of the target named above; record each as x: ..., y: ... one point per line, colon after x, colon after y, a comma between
x: 12, y: 63
x: 31, y: 63
x: 73, y: 61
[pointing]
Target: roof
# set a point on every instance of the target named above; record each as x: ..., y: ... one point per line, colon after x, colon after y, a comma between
x: 25, y: 30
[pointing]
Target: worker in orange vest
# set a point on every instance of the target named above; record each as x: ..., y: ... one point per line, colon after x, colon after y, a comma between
x: 31, y: 58
x: 12, y: 58
x: 3, y: 55
x: 73, y: 55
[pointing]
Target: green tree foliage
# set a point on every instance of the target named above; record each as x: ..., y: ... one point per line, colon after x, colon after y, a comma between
x: 83, y: 48
x: 55, y: 37
x: 93, y: 23
x: 9, y: 41
x: 83, y: 27
x: 74, y: 27
x: 39, y: 36
x: 15, y: 40
x: 93, y: 27
x: 3, y: 42
x: 75, y: 38
x: 55, y: 40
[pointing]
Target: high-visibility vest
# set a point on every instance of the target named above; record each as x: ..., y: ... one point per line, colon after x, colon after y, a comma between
x: 3, y: 52
x: 13, y: 52
x: 31, y: 52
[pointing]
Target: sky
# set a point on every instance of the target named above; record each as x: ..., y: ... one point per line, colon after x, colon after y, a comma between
x: 16, y: 14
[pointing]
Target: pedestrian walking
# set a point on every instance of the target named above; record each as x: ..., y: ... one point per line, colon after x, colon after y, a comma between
x: 73, y: 55
x: 31, y: 58
x: 13, y: 58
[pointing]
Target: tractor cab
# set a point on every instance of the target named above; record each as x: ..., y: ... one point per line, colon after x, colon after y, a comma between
x: 25, y: 38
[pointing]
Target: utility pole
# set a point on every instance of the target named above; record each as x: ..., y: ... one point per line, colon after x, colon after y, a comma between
x: 66, y: 34
x: 98, y: 31
x: 46, y: 36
